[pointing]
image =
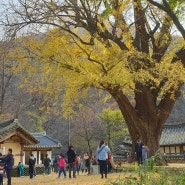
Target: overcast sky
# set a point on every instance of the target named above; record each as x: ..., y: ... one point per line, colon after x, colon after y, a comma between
x: 3, y: 7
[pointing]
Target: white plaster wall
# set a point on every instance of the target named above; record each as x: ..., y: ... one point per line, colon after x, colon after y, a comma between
x: 177, y: 149
x: 35, y: 155
x: 49, y: 154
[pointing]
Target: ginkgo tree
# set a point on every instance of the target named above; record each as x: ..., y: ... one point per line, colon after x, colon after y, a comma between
x: 128, y: 48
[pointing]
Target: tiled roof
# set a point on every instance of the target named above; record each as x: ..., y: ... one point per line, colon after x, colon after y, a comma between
x: 12, y: 126
x: 122, y: 149
x: 35, y: 140
x: 171, y: 135
x: 44, y: 141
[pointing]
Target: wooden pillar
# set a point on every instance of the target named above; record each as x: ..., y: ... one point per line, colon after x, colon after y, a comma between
x: 39, y: 157
x: 23, y: 157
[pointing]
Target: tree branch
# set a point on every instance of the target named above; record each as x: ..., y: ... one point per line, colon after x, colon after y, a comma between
x: 172, y: 15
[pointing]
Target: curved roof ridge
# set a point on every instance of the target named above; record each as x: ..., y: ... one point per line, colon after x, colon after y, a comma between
x: 174, y: 125
x: 38, y: 134
x: 6, y: 123
x: 13, y: 125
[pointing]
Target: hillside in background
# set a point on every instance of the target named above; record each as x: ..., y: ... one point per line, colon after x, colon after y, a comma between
x: 19, y: 103
x: 178, y: 113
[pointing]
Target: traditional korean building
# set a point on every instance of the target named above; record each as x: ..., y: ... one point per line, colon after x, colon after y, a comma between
x: 45, y: 146
x: 13, y: 135
x: 172, y: 142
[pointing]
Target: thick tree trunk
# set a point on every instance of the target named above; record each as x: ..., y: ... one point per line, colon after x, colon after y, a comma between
x: 145, y: 119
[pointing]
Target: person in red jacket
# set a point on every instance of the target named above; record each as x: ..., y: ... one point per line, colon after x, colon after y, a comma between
x: 61, y: 166
x: 109, y: 166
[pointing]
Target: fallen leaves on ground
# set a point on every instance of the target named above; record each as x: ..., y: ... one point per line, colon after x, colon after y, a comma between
x: 81, y: 179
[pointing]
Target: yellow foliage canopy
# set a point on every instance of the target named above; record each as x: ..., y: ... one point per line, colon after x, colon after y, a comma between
x: 57, y: 62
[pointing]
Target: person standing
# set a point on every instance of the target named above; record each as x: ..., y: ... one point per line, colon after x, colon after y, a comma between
x: 52, y: 166
x: 101, y: 154
x: 34, y: 168
x: 61, y: 166
x: 82, y: 166
x: 77, y: 162
x: 47, y: 162
x: 55, y: 163
x: 31, y: 164
x: 8, y: 160
x: 87, y: 162
x: 71, y: 155
x: 145, y: 150
x: 109, y: 166
x: 138, y: 151
x: 1, y: 173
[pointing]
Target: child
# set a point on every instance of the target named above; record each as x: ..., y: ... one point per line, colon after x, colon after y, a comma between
x: 21, y: 169
x: 77, y: 162
x: 61, y: 166
x: 2, y: 171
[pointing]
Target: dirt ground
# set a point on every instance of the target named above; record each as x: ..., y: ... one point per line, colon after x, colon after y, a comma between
x: 81, y: 179
x: 177, y: 165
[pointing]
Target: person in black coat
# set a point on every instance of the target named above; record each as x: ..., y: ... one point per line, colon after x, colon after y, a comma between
x: 31, y: 165
x: 71, y: 155
x: 8, y: 160
x: 47, y: 162
x: 138, y: 151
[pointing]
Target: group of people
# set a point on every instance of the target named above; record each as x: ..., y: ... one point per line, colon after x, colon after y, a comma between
x: 73, y: 162
x: 141, y: 151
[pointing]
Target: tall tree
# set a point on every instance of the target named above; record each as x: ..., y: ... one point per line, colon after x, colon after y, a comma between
x: 124, y: 47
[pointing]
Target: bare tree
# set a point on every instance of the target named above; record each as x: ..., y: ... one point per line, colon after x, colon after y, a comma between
x: 7, y: 66
x: 86, y: 129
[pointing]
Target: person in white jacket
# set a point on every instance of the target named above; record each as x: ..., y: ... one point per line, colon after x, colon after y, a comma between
x: 101, y: 154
